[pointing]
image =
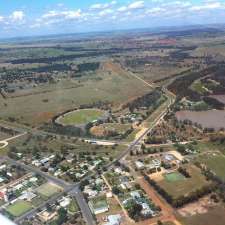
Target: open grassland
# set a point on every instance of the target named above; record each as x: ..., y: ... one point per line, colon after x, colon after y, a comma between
x: 209, y: 146
x: 38, y: 108
x: 19, y: 208
x: 185, y: 186
x: 81, y: 116
x: 214, y: 162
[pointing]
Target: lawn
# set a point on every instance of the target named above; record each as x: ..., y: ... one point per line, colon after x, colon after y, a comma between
x: 19, y: 208
x: 48, y: 189
x: 82, y: 116
x: 215, y: 162
x: 174, y: 176
x: 184, y: 186
x: 73, y: 207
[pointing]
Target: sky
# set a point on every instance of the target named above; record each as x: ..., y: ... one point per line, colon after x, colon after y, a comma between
x: 43, y: 17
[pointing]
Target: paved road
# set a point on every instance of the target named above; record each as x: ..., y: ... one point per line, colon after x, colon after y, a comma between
x: 85, y: 210
x: 73, y: 189
x: 53, y: 179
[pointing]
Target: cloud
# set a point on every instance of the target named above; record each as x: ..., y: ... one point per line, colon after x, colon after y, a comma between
x: 17, y: 16
x: 98, y: 6
x: 70, y: 14
x: 122, y: 9
x: 106, y: 12
x: 136, y: 5
x: 208, y: 6
x: 1, y: 18
x: 132, y: 6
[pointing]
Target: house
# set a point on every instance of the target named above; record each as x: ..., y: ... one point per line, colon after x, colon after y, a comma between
x: 114, y: 220
x: 139, y: 165
x: 33, y: 179
x: 90, y: 192
x: 146, y: 210
x: 27, y: 196
x: 2, y: 167
x: 46, y: 216
x: 64, y: 202
x: 118, y: 170
x: 135, y: 194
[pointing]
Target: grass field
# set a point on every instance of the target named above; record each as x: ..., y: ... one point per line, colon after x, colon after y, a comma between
x: 174, y: 176
x: 36, y: 109
x: 81, y: 116
x: 210, y: 146
x: 19, y: 208
x: 48, y: 190
x: 185, y: 186
x: 215, y: 162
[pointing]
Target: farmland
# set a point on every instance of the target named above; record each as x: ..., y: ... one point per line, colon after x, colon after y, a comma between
x: 207, y: 119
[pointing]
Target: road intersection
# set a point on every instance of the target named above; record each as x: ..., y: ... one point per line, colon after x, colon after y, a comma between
x: 73, y: 188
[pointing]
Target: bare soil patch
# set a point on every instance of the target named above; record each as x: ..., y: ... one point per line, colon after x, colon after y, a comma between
x: 200, y: 207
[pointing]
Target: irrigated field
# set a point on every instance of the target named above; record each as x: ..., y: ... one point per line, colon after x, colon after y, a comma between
x: 18, y: 208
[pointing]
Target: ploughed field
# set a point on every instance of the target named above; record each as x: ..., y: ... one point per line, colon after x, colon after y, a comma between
x: 207, y: 119
x: 80, y: 117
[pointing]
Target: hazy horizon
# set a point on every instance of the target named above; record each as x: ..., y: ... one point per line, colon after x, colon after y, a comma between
x: 25, y: 18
